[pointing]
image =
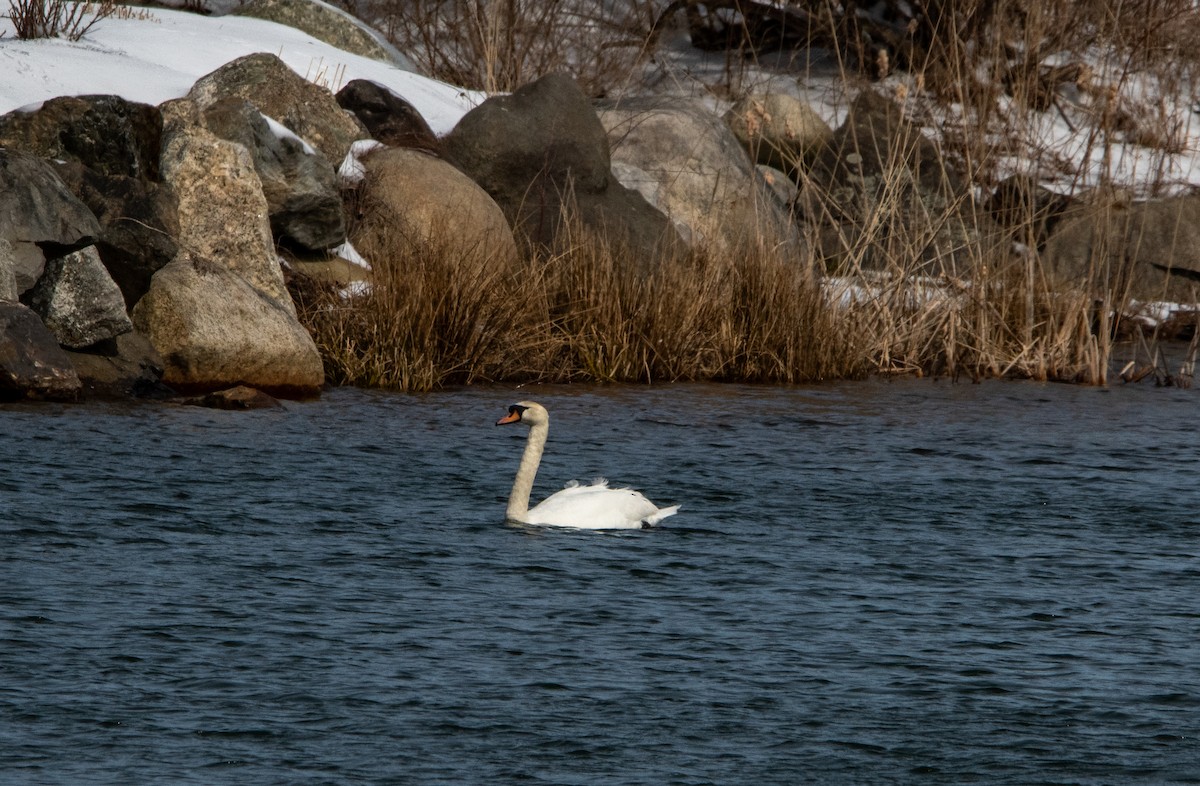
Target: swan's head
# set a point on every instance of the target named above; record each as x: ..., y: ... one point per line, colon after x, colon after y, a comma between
x: 526, y: 412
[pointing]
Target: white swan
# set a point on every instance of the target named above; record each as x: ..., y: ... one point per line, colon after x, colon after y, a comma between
x: 582, y: 507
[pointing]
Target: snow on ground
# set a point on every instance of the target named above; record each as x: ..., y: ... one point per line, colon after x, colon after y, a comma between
x: 160, y: 57
x: 1060, y: 147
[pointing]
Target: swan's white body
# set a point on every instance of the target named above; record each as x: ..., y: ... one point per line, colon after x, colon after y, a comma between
x: 582, y: 507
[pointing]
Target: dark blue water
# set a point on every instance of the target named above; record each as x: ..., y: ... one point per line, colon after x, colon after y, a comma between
x: 875, y: 583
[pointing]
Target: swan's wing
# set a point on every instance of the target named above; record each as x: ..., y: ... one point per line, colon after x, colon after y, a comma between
x: 597, y: 507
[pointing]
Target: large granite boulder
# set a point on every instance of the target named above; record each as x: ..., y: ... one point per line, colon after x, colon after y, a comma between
x: 220, y: 314
x: 78, y: 301
x: 410, y: 199
x: 778, y: 130
x: 32, y: 364
x: 1146, y: 250
x: 327, y: 23
x: 283, y: 95
x: 687, y: 163
x: 543, y: 155
x: 38, y: 214
x: 303, y: 200
x: 109, y: 134
x: 223, y: 214
x: 388, y: 117
x: 214, y: 329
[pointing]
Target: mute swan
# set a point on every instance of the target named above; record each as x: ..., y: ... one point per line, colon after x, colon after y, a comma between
x: 583, y: 507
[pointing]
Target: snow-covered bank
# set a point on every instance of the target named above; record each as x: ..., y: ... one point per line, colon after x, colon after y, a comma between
x: 160, y: 57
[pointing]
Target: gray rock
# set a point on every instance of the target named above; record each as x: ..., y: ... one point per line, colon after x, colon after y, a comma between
x: 106, y: 133
x: 237, y: 398
x: 876, y: 140
x: 78, y: 301
x: 698, y: 173
x: 303, y: 199
x: 106, y: 151
x: 546, y: 127
x: 223, y: 214
x: 279, y: 92
x: 37, y: 213
x: 883, y: 189
x: 1147, y: 250
x: 542, y: 152
x: 125, y: 366
x: 32, y: 364
x: 214, y: 330
x: 778, y: 130
x: 388, y: 117
x: 329, y: 24
x: 139, y: 222
x: 1029, y: 209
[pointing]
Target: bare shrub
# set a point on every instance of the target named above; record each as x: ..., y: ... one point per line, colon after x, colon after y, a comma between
x: 498, y: 45
x: 57, y: 18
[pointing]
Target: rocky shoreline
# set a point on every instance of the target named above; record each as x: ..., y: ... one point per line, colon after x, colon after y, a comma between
x: 147, y: 250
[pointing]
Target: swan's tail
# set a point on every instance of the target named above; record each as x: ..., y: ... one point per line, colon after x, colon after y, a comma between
x: 650, y: 521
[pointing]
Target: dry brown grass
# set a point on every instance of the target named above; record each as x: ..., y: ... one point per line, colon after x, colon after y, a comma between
x: 590, y: 313
x: 434, y: 316
x: 990, y: 326
x: 753, y: 316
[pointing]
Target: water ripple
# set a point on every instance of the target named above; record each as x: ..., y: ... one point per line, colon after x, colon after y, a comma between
x: 876, y: 583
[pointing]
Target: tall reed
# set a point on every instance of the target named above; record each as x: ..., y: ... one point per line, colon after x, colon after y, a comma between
x: 754, y: 315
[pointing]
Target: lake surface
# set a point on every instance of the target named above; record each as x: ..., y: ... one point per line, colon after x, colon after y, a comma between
x: 870, y: 583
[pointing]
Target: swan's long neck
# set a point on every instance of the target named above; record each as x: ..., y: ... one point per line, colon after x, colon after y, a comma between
x: 518, y: 499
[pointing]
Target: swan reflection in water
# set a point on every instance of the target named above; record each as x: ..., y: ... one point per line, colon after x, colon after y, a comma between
x: 594, y: 506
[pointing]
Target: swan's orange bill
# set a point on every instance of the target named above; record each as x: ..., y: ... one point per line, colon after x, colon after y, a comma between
x: 511, y: 417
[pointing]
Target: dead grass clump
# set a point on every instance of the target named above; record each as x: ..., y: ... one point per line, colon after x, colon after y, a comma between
x: 930, y: 285
x: 433, y: 316
x: 999, y: 324
x: 750, y: 316
x: 437, y: 315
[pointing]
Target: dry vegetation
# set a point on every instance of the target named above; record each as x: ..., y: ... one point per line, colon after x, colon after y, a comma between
x: 499, y: 45
x: 988, y: 72
x: 589, y: 313
x: 57, y: 18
